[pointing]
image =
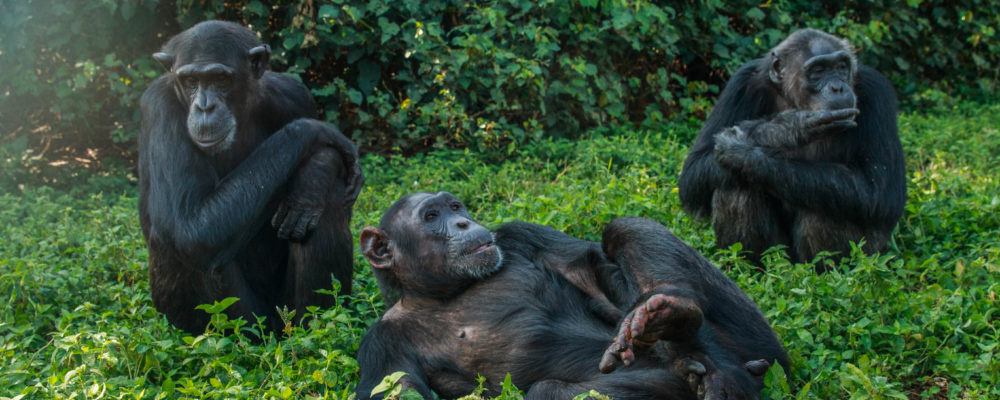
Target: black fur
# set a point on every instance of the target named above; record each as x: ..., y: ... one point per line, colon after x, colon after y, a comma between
x: 205, y: 212
x: 776, y: 163
x: 543, y: 316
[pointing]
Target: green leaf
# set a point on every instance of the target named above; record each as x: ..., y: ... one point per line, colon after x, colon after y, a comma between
x: 369, y: 74
x: 621, y: 17
x: 218, y: 306
x: 389, y: 29
x: 388, y: 382
x: 355, y: 96
x: 328, y: 11
x: 755, y: 14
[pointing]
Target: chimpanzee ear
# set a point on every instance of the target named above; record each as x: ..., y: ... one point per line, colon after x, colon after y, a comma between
x: 375, y: 247
x: 259, y: 58
x: 165, y: 59
x: 775, y: 69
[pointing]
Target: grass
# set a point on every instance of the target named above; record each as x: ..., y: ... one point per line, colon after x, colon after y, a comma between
x: 920, y: 321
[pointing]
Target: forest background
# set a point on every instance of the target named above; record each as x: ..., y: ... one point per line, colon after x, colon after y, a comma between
x: 565, y: 113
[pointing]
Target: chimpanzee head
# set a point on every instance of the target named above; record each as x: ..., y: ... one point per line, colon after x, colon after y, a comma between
x: 427, y: 245
x: 813, y: 70
x: 214, y: 67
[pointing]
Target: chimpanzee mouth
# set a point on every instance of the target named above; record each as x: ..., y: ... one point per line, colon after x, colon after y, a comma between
x: 208, y: 143
x: 480, y: 248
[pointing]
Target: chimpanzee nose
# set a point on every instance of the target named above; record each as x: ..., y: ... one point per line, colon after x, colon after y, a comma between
x: 837, y: 88
x: 462, y: 224
x: 205, y: 106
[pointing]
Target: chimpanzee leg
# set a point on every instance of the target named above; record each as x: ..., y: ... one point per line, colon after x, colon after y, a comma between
x: 232, y: 282
x: 641, y: 382
x: 813, y: 233
x: 651, y: 256
x: 748, y: 217
x: 672, y: 278
x: 327, y: 250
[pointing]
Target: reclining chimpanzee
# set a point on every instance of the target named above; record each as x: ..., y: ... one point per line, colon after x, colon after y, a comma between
x: 547, y: 308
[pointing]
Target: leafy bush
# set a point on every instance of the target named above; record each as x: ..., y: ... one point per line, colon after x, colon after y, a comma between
x: 401, y: 76
x: 919, y: 321
x: 72, y: 76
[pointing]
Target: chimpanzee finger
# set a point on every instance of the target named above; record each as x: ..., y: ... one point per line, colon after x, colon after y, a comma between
x: 619, y: 346
x: 302, y: 226
x: 693, y: 371
x: 639, y: 323
x: 313, y: 222
x: 288, y: 225
x: 624, y: 336
x: 279, y: 216
x: 819, y: 118
x: 609, y: 361
x: 845, y: 113
x: 832, y: 127
x: 354, y: 184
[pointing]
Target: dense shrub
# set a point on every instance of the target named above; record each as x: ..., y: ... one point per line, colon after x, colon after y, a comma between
x: 406, y: 75
x: 919, y: 321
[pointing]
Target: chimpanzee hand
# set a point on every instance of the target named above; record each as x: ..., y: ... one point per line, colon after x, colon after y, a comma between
x: 659, y: 317
x: 711, y: 381
x: 794, y: 128
x: 734, y: 151
x: 300, y: 211
x: 328, y: 135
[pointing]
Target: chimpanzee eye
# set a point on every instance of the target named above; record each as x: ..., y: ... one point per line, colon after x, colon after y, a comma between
x: 816, y: 72
x: 455, y: 206
x: 430, y: 215
x: 189, y: 82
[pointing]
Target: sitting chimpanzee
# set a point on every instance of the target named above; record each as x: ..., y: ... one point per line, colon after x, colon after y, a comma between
x: 224, y: 151
x: 536, y: 303
x: 801, y: 150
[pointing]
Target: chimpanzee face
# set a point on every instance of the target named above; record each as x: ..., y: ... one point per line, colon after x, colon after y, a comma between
x: 815, y: 71
x: 828, y: 80
x: 215, y: 82
x: 205, y: 87
x: 428, y: 244
x: 448, y: 229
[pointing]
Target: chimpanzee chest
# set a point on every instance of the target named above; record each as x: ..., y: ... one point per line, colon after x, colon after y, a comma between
x: 499, y: 328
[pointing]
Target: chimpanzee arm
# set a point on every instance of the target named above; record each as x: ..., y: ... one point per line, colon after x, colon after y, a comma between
x: 209, y: 218
x: 288, y: 99
x: 382, y: 353
x: 580, y: 262
x: 744, y: 98
x: 308, y: 196
x: 871, y: 185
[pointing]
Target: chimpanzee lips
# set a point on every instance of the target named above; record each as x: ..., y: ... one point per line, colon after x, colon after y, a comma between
x: 480, y: 248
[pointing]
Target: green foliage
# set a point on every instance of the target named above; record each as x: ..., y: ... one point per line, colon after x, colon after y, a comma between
x: 920, y: 321
x: 404, y: 76
x: 72, y: 76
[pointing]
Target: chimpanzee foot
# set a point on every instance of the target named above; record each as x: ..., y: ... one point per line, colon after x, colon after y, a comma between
x: 714, y: 382
x: 661, y: 317
x: 692, y: 371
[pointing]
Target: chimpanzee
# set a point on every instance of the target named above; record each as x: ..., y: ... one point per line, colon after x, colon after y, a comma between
x: 534, y: 302
x: 801, y: 150
x: 227, y: 147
